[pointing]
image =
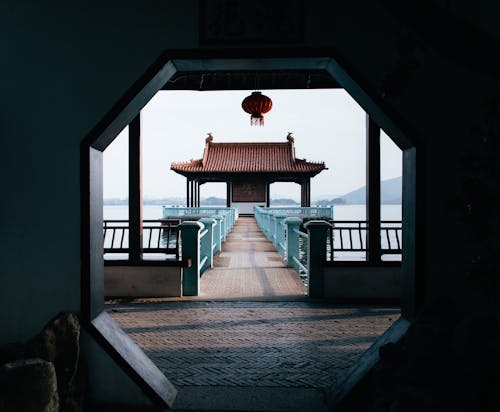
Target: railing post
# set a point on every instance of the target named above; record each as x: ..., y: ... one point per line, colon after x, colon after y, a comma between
x: 190, y: 237
x: 317, y: 230
x: 280, y: 233
x: 229, y: 224
x: 330, y: 212
x: 233, y: 217
x: 217, y: 233
x: 292, y: 240
x: 265, y: 223
x: 207, y: 242
x: 273, y: 229
x: 224, y: 228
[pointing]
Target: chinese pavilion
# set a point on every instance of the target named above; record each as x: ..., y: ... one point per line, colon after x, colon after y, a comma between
x: 248, y: 170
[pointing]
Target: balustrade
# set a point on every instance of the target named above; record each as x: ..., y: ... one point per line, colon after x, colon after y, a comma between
x: 201, y: 241
x: 347, y: 239
x: 159, y: 236
x: 326, y: 240
x: 198, y: 240
x: 229, y: 215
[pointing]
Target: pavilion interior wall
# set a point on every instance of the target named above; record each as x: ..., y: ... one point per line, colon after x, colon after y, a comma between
x: 246, y: 194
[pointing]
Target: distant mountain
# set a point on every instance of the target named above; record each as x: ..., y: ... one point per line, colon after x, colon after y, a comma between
x: 172, y: 201
x: 283, y: 202
x: 326, y: 202
x: 177, y: 201
x: 390, y: 193
x: 213, y: 201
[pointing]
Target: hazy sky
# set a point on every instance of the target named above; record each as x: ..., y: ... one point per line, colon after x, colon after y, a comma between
x: 327, y: 124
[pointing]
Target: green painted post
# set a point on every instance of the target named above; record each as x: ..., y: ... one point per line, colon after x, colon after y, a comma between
x: 217, y: 233
x: 317, y: 230
x: 292, y: 240
x: 209, y: 223
x: 267, y: 223
x: 190, y: 241
x: 223, y: 227
x: 280, y: 233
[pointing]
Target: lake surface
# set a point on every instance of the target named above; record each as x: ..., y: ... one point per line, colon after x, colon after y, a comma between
x: 340, y: 212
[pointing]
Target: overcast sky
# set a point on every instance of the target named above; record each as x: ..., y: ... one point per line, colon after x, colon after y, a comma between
x: 327, y: 124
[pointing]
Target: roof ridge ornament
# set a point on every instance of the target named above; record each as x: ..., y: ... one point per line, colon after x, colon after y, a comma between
x: 209, y: 138
x: 290, y: 138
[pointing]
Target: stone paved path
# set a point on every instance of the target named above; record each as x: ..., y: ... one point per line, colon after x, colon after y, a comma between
x: 249, y: 267
x: 253, y: 344
x: 234, y: 348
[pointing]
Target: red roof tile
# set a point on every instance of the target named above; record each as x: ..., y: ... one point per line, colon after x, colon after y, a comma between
x: 249, y: 158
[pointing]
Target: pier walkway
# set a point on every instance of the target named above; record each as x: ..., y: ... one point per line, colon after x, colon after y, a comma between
x: 250, y: 268
x: 252, y: 341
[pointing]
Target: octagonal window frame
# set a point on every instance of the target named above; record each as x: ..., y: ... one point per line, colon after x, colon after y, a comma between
x: 100, y: 325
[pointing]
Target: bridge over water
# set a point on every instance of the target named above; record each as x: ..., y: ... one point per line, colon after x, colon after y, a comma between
x: 252, y: 339
x: 249, y: 267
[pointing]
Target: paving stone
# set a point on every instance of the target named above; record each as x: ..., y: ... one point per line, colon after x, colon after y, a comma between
x: 253, y: 344
x: 252, y: 340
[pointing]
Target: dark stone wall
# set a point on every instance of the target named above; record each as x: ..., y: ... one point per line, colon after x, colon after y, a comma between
x: 65, y: 66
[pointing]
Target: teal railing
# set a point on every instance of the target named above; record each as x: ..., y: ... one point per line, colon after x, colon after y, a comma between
x: 228, y: 214
x: 271, y: 221
x: 302, y: 212
x: 302, y: 251
x: 201, y: 240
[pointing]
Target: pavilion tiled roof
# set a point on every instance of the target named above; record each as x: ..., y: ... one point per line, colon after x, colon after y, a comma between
x: 270, y: 157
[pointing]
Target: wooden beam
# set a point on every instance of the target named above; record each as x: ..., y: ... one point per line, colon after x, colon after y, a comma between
x: 373, y: 189
x: 135, y: 189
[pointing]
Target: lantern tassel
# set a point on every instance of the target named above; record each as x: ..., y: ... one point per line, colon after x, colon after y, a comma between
x: 257, y: 120
x: 257, y: 105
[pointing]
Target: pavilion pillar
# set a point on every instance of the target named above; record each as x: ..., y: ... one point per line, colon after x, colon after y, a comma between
x: 135, y: 189
x: 195, y: 200
x: 198, y: 202
x: 187, y: 192
x: 305, y: 200
x: 308, y: 192
x: 195, y: 193
x: 199, y: 193
x: 228, y: 194
x: 268, y: 194
x: 374, y: 252
x: 191, y: 184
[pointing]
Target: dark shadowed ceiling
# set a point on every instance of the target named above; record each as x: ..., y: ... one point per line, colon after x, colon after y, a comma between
x: 250, y: 80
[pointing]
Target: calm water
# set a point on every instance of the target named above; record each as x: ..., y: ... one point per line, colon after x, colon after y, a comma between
x: 344, y: 212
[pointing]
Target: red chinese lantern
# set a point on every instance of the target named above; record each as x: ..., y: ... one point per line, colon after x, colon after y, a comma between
x: 257, y: 105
